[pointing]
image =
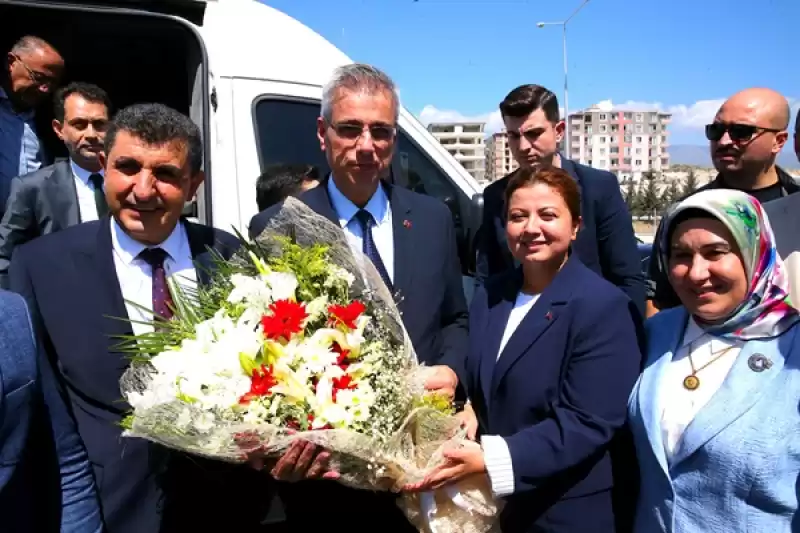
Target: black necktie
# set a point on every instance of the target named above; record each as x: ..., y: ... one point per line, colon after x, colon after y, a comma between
x: 370, y: 250
x: 99, y: 195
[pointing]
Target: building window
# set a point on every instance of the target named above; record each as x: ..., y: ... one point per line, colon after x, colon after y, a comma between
x: 638, y: 151
x: 628, y: 116
x: 614, y: 162
x: 627, y: 150
x: 627, y: 138
x: 638, y: 139
x: 602, y: 151
x: 602, y: 139
x: 602, y: 163
x: 639, y: 117
x: 603, y: 128
x: 638, y: 162
x: 614, y: 128
x: 603, y: 116
x: 627, y: 161
x: 615, y: 149
x: 639, y: 128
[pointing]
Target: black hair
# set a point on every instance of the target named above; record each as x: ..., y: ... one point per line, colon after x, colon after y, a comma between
x: 279, y: 181
x: 88, y: 91
x: 526, y: 99
x: 158, y: 124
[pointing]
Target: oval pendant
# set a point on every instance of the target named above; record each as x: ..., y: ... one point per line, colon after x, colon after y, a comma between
x: 691, y: 382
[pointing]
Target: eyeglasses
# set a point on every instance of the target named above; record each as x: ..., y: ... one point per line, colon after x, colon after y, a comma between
x: 382, y: 133
x: 737, y: 132
x: 39, y: 78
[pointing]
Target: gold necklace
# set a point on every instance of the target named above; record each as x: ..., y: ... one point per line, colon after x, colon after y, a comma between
x: 692, y: 382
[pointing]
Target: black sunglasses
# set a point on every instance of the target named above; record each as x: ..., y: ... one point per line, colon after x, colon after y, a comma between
x: 737, y: 132
x: 354, y: 130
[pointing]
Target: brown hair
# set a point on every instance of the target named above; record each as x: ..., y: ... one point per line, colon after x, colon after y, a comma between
x: 555, y: 178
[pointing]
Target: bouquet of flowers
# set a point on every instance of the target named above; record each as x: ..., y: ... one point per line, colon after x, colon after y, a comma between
x: 297, y: 337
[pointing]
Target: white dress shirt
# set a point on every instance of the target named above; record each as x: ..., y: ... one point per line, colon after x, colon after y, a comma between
x: 136, y: 276
x: 681, y: 405
x: 496, y: 455
x: 382, y: 233
x: 86, y: 204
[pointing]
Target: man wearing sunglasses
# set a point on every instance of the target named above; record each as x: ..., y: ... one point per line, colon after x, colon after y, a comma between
x: 32, y: 71
x: 745, y: 138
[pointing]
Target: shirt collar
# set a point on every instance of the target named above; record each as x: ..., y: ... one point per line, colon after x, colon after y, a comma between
x: 128, y: 248
x: 81, y: 173
x: 24, y: 115
x: 695, y: 333
x: 377, y: 206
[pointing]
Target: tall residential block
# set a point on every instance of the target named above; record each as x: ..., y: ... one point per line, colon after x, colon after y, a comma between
x: 626, y: 142
x: 465, y: 141
x: 499, y: 162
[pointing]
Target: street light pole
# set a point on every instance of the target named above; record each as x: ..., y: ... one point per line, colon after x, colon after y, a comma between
x: 563, y: 25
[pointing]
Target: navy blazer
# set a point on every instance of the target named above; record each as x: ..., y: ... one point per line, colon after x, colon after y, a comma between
x: 430, y: 295
x: 606, y: 242
x: 557, y: 393
x: 46, y: 482
x: 71, y: 284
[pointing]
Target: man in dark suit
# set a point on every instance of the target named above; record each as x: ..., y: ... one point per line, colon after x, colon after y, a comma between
x: 411, y: 241
x: 606, y: 242
x: 46, y: 481
x: 69, y: 191
x: 82, y: 280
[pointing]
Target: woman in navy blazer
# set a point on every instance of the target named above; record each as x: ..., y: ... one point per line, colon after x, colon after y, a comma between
x: 554, y: 355
x: 715, y: 414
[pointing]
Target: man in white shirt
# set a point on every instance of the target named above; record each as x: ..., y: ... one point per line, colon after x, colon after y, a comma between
x: 81, y: 280
x: 69, y: 191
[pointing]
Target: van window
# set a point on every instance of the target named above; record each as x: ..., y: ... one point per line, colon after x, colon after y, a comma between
x: 285, y: 130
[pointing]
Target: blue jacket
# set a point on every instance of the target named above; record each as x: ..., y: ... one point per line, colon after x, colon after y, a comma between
x: 45, y: 479
x: 737, y: 465
x: 557, y: 393
x: 606, y: 242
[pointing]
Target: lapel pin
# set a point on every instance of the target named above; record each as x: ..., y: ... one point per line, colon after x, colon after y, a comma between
x: 758, y: 363
x: 407, y: 224
x: 549, y: 315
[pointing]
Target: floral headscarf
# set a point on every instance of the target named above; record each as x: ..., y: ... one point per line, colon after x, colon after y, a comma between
x: 766, y: 310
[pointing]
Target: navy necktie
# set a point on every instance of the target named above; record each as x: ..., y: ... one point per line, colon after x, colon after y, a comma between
x: 99, y: 195
x: 366, y: 221
x: 162, y: 300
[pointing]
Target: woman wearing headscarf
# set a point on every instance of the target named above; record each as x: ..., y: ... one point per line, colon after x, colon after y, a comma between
x: 715, y: 413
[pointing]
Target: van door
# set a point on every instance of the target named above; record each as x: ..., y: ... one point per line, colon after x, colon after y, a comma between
x: 191, y: 10
x: 275, y: 122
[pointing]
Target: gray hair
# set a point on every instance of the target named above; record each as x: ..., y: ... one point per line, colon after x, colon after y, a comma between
x: 30, y: 44
x: 357, y: 77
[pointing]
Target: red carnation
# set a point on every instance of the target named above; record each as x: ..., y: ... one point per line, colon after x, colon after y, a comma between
x: 342, y: 355
x: 345, y: 314
x: 343, y: 383
x: 286, y: 319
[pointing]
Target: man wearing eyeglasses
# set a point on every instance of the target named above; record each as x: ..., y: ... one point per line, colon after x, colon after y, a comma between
x: 33, y: 70
x: 746, y: 136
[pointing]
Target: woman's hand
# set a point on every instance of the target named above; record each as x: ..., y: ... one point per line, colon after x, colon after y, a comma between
x: 442, y: 380
x: 469, y: 421
x: 461, y: 461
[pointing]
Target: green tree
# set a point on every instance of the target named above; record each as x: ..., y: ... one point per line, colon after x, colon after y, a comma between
x: 632, y: 197
x: 689, y: 184
x: 649, y: 198
x: 671, y: 194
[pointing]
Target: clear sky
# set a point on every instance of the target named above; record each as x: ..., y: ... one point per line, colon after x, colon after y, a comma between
x: 458, y: 58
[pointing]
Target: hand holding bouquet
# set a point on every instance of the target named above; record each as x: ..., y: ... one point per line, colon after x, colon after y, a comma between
x: 298, y: 338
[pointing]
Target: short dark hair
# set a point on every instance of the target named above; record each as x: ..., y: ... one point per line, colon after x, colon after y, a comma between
x: 280, y: 181
x: 526, y: 99
x: 88, y: 91
x: 158, y: 124
x: 556, y: 178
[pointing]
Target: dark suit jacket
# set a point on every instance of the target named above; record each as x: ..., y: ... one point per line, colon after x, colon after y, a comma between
x: 39, y: 203
x: 558, y: 393
x: 427, y: 281
x: 70, y: 282
x: 606, y: 242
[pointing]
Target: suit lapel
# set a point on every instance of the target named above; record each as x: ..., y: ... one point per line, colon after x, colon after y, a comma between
x: 199, y: 244
x: 742, y: 388
x: 544, y: 313
x: 648, y: 393
x: 107, y: 282
x: 63, y: 196
x: 404, y: 233
x: 499, y: 312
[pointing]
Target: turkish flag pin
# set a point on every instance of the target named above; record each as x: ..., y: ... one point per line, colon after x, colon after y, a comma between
x: 407, y: 224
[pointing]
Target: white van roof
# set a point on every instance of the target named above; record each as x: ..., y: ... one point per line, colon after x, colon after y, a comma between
x: 246, y: 38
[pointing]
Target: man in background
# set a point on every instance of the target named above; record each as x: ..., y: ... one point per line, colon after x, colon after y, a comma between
x: 606, y: 242
x: 69, y: 191
x: 280, y: 181
x: 745, y: 138
x: 33, y: 69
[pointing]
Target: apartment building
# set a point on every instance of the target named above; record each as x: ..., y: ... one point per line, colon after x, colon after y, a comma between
x: 626, y: 142
x: 465, y: 141
x: 498, y: 157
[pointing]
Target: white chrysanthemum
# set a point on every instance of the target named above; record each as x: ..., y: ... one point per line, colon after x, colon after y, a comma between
x: 161, y: 390
x: 254, y: 292
x: 256, y: 413
x: 337, y: 274
x: 317, y: 307
x: 283, y: 285
x: 315, y: 357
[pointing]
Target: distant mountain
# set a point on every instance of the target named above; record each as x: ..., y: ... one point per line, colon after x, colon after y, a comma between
x: 698, y: 155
